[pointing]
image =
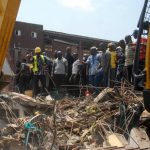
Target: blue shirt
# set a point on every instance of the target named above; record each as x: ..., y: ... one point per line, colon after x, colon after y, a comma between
x: 93, y: 62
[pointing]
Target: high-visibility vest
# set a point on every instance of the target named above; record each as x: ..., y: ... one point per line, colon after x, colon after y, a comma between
x: 35, y: 66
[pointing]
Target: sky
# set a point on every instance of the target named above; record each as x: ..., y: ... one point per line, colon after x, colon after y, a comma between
x: 104, y: 19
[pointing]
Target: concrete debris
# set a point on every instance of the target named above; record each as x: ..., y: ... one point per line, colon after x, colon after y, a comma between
x: 139, y: 136
x: 116, y: 139
x: 112, y: 120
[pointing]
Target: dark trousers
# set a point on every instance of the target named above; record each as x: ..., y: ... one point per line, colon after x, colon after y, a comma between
x: 106, y: 78
x: 99, y: 78
x: 23, y: 83
x: 141, y: 65
x: 36, y: 79
x: 130, y: 73
x: 59, y: 79
x: 95, y: 80
x: 74, y: 90
x: 112, y: 76
x: 92, y: 80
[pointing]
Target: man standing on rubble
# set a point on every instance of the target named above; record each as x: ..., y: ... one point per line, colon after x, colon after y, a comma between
x: 70, y: 60
x: 24, y: 77
x: 120, y: 60
x: 93, y: 66
x: 75, y: 78
x: 142, y: 53
x: 113, y: 63
x: 60, y: 70
x: 129, y: 58
x: 105, y: 63
x: 39, y: 65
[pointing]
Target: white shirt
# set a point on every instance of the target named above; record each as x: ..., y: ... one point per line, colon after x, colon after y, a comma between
x: 75, y: 66
x: 60, y: 66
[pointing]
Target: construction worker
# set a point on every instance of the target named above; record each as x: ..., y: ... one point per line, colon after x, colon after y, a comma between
x: 39, y: 65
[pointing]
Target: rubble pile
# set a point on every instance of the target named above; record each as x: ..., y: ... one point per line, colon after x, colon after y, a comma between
x: 81, y: 123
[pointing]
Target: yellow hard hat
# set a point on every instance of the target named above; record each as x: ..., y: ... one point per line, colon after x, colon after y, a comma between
x: 37, y: 50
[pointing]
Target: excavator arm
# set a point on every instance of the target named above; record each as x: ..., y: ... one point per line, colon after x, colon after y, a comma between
x: 8, y: 13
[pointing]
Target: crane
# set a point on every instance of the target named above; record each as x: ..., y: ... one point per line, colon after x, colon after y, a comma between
x: 144, y: 26
x: 8, y: 14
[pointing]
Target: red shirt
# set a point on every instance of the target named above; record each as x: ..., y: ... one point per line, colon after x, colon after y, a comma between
x: 142, y: 48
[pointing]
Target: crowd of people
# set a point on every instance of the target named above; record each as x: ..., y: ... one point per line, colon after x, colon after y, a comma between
x: 106, y: 65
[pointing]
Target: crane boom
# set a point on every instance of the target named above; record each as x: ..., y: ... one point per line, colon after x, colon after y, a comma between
x: 8, y: 14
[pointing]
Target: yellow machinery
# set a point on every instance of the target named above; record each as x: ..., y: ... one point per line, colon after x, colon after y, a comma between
x: 8, y: 13
x: 146, y: 92
x: 144, y: 28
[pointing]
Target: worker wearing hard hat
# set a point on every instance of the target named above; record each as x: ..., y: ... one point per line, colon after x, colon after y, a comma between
x: 39, y: 64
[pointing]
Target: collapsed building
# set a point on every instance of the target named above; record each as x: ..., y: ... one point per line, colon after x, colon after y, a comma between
x: 115, y: 119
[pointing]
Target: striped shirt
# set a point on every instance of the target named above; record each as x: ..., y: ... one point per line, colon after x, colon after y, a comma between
x: 129, y: 55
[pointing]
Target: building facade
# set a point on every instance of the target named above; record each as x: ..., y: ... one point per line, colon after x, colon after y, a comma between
x: 27, y: 36
x: 59, y: 41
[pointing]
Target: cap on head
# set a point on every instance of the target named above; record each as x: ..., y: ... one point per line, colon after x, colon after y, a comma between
x: 59, y: 52
x: 37, y: 50
x: 110, y: 45
x: 93, y: 48
x: 75, y: 55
